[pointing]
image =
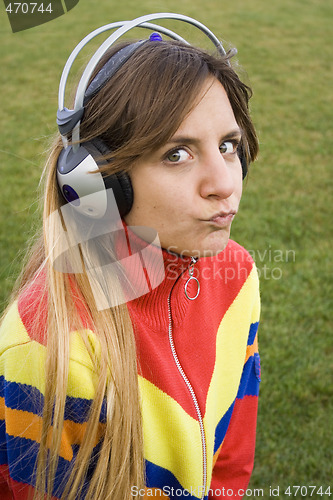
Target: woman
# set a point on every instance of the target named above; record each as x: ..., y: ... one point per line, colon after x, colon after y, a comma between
x: 154, y: 395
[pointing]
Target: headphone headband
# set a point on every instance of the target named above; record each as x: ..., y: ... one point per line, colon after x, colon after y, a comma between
x: 67, y: 117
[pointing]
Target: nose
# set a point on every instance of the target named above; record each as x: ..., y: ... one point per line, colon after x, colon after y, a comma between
x: 218, y: 176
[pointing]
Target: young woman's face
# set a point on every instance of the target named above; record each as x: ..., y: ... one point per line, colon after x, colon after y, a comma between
x: 189, y: 190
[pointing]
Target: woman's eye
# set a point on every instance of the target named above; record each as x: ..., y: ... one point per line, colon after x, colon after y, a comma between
x: 228, y: 147
x: 177, y: 155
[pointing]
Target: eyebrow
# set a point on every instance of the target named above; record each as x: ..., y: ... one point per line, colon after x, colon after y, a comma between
x: 181, y: 139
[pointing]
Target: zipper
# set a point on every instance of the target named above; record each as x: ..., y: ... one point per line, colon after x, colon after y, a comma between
x: 189, y: 386
x: 191, y: 277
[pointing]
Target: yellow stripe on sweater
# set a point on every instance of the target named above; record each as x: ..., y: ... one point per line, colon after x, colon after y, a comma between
x: 12, y: 331
x: 165, y: 441
x: 231, y: 348
x: 22, y: 360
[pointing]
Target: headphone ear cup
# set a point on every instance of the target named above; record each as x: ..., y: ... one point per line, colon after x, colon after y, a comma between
x: 119, y: 182
x: 86, y: 191
x: 83, y: 190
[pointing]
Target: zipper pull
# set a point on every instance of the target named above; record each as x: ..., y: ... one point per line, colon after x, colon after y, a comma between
x: 191, y: 277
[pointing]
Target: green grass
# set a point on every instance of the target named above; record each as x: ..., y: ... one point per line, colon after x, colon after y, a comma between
x: 285, y: 217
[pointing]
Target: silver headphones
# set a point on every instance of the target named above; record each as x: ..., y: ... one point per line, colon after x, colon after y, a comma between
x: 87, y: 193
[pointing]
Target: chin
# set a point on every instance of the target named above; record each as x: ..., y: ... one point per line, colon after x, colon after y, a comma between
x: 199, y: 251
x: 214, y: 246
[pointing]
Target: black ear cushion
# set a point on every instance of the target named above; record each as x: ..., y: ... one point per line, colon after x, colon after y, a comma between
x: 244, y: 166
x: 99, y: 145
x: 243, y: 160
x: 127, y: 189
x: 119, y: 182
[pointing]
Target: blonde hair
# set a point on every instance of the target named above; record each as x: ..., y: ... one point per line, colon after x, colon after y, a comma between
x: 149, y: 98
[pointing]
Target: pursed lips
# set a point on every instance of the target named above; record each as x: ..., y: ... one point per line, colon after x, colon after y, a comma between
x: 221, y: 219
x: 224, y: 214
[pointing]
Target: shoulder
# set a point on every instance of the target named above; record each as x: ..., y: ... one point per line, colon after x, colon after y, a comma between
x: 23, y: 345
x: 242, y: 258
x: 22, y: 353
x: 234, y: 252
x: 29, y: 308
x: 26, y: 320
x: 12, y: 330
x: 230, y: 278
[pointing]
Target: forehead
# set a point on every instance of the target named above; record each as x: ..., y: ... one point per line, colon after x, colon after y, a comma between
x: 211, y: 111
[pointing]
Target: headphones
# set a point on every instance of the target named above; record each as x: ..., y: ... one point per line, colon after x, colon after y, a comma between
x: 87, y: 192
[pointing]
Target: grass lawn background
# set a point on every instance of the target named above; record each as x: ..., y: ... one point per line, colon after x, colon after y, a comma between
x: 285, y: 218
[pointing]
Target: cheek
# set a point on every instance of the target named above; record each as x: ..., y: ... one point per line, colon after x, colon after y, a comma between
x: 151, y: 203
x: 155, y: 192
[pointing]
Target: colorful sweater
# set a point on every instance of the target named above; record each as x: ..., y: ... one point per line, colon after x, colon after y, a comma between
x: 193, y: 435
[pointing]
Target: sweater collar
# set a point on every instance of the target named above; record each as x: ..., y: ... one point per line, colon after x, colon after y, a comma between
x: 154, y: 273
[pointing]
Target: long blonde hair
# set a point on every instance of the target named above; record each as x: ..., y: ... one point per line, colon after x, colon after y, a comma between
x: 134, y: 113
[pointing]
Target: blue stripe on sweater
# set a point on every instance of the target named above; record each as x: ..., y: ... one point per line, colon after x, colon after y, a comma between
x: 252, y: 332
x: 28, y: 398
x: 222, y: 427
x: 249, y: 384
x: 158, y: 477
x: 21, y: 454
